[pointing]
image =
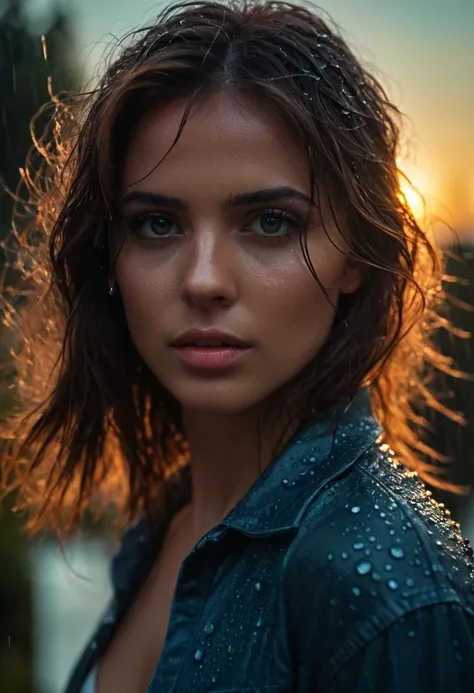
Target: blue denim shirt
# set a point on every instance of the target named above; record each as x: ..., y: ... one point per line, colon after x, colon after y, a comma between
x: 337, y: 572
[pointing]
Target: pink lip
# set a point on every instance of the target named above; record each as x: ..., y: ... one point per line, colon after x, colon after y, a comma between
x: 210, y: 358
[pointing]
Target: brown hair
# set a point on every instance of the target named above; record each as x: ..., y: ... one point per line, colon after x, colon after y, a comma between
x: 77, y: 366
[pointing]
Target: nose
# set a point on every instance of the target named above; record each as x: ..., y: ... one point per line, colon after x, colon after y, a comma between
x: 209, y: 277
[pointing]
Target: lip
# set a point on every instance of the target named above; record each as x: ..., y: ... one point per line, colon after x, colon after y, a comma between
x: 190, y: 337
x: 210, y: 358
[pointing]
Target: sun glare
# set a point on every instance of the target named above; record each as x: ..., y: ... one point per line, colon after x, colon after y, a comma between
x: 414, y: 200
x: 417, y: 191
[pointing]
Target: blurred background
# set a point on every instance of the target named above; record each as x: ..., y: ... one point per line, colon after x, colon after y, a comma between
x: 422, y: 50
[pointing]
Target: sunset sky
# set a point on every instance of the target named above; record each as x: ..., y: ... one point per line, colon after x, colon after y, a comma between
x: 422, y: 50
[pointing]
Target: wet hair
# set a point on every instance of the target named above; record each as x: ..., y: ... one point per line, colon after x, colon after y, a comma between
x: 98, y: 424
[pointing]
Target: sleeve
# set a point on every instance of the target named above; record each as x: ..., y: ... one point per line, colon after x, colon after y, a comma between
x: 431, y: 650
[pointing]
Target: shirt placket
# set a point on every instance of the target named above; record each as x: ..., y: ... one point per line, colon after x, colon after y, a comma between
x: 193, y: 587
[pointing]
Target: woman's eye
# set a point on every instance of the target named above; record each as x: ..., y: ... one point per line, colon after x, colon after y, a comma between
x: 273, y: 224
x: 154, y: 226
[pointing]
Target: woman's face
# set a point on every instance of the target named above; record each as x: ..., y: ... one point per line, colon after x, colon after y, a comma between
x: 213, y: 244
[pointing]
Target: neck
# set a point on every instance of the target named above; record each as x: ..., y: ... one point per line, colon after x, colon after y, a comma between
x: 224, y: 452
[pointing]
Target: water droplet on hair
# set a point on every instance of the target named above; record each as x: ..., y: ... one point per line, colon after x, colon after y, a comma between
x: 259, y: 623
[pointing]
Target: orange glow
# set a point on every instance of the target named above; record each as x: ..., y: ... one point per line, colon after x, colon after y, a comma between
x: 414, y: 200
x: 419, y: 190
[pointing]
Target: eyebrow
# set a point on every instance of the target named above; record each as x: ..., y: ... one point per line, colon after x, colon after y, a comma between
x: 284, y: 192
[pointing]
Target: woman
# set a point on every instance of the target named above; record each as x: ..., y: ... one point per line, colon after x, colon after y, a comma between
x: 243, y: 303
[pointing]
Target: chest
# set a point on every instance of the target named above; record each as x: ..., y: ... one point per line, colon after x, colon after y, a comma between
x: 211, y: 622
x: 128, y: 664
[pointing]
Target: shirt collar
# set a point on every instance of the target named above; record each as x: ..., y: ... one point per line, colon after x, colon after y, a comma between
x: 323, y: 451
x: 279, y: 497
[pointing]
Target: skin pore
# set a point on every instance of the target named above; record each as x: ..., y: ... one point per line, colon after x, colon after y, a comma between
x: 209, y: 258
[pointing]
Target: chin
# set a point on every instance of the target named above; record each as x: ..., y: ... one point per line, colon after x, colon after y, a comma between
x: 217, y: 400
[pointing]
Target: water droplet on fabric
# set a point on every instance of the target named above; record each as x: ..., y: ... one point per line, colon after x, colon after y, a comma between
x: 209, y: 628
x: 358, y: 545
x: 259, y: 623
x: 198, y: 655
x: 376, y: 577
x: 285, y: 482
x: 392, y: 584
x: 355, y: 509
x: 364, y: 567
x: 411, y: 633
x: 344, y: 555
x: 356, y: 591
x: 388, y: 567
x: 396, y: 552
x: 330, y: 556
x: 258, y: 585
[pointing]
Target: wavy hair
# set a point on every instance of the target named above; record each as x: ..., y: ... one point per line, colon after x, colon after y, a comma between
x: 91, y: 422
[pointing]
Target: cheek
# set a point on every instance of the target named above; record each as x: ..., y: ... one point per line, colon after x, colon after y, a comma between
x: 293, y: 303
x: 143, y: 293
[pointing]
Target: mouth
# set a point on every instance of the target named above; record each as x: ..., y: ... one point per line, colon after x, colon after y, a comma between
x: 210, y: 339
x: 214, y: 352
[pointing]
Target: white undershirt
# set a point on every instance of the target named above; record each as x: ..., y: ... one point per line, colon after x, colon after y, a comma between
x: 90, y: 682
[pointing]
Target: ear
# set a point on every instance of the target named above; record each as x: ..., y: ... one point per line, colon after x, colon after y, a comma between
x: 351, y: 279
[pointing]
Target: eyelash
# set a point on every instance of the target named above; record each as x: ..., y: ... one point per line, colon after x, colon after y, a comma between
x: 138, y: 220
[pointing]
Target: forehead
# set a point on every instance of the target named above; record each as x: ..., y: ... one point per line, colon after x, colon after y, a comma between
x: 236, y: 142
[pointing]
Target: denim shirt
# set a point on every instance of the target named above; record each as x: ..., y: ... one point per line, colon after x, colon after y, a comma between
x: 336, y: 572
